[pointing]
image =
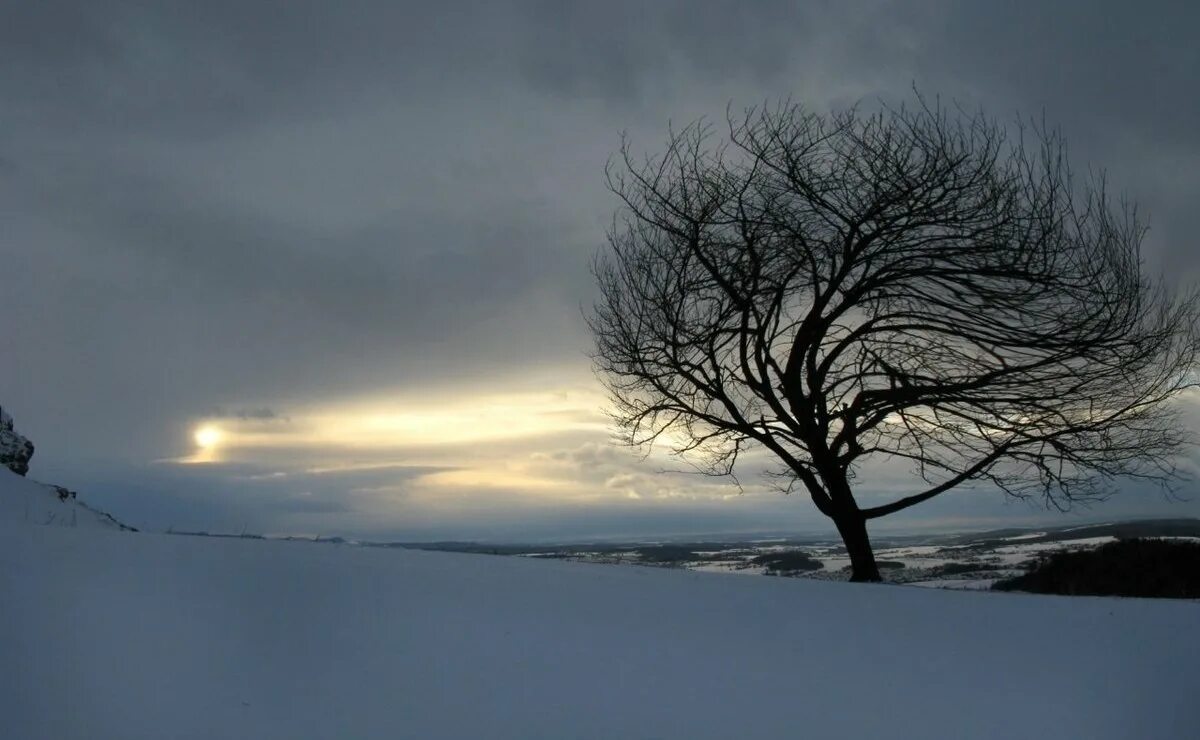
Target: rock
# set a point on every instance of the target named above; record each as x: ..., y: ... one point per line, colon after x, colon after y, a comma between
x: 15, y: 450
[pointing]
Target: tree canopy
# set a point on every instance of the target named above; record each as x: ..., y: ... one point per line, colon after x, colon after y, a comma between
x: 916, y: 283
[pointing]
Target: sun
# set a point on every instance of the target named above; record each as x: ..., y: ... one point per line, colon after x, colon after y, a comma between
x: 207, y: 437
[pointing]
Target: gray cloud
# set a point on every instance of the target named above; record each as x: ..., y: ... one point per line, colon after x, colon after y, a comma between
x: 262, y: 413
x: 255, y: 205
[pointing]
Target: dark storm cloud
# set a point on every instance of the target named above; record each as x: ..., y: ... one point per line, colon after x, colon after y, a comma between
x: 255, y: 204
x: 193, y: 65
x: 1117, y: 77
x: 1108, y: 66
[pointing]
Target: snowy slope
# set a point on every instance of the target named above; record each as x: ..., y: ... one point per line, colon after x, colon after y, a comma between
x: 109, y: 634
x: 26, y: 501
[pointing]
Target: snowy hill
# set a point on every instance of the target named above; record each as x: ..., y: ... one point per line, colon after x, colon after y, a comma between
x: 107, y: 634
x: 23, y: 500
x: 29, y: 502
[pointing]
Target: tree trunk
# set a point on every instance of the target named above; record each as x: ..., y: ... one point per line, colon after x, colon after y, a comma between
x: 853, y: 528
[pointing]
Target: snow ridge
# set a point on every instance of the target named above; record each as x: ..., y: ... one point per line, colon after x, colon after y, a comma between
x: 24, y: 500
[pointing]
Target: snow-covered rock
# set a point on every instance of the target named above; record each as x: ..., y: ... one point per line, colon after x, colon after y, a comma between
x: 15, y: 450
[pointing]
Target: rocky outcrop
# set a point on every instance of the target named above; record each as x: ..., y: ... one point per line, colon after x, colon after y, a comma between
x: 15, y: 450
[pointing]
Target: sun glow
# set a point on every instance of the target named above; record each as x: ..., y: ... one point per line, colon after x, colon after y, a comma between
x: 207, y: 437
x: 393, y: 423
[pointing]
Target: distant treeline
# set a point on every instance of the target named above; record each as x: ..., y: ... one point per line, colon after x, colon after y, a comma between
x: 1132, y: 567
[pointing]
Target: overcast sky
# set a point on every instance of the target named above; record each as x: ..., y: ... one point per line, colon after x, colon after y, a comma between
x: 354, y: 237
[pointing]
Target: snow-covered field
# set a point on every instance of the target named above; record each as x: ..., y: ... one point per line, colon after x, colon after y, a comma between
x: 110, y: 634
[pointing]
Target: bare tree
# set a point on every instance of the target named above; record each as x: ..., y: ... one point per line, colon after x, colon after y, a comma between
x: 919, y: 283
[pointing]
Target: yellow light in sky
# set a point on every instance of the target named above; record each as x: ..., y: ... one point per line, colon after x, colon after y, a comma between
x: 444, y: 421
x: 207, y: 437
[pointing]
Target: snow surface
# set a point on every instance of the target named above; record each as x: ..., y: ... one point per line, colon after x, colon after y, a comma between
x: 1027, y: 536
x: 25, y: 501
x: 108, y: 634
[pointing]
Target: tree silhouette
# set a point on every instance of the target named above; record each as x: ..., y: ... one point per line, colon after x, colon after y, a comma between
x: 918, y: 283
